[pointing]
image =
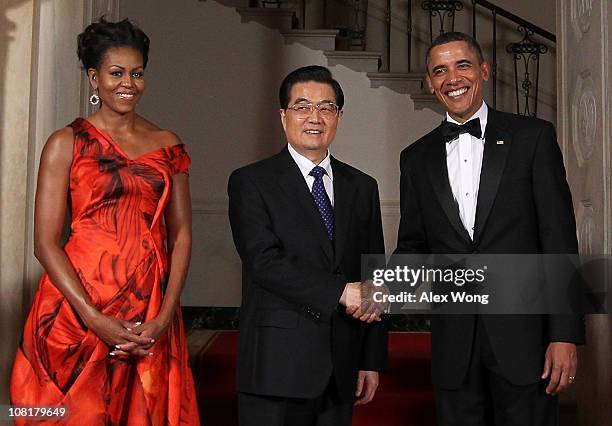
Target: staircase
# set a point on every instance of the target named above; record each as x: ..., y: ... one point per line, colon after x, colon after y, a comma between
x: 289, y: 17
x: 327, y: 40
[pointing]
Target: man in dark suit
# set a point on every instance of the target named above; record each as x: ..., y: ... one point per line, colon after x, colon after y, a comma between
x: 301, y: 220
x: 489, y: 182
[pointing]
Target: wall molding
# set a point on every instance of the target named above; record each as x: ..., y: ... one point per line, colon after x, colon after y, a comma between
x: 201, y: 206
x: 209, y: 207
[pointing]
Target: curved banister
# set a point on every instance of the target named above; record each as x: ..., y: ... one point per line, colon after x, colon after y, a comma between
x: 517, y: 19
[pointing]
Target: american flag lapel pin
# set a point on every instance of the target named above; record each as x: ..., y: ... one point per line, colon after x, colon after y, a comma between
x: 500, y: 142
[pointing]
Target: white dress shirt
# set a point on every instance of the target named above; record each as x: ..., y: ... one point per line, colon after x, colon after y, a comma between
x: 306, y: 166
x: 464, y: 162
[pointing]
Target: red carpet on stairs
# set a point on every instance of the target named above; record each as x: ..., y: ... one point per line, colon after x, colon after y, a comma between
x: 404, y: 398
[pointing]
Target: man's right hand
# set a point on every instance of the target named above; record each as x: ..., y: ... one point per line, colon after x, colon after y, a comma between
x: 351, y: 298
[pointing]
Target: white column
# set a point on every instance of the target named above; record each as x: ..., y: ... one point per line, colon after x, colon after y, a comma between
x: 16, y: 21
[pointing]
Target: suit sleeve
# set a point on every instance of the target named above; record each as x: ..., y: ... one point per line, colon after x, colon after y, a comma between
x: 556, y: 222
x: 374, y: 352
x: 411, y: 235
x: 312, y: 290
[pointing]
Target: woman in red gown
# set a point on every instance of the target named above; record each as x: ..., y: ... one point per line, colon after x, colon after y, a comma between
x: 104, y: 338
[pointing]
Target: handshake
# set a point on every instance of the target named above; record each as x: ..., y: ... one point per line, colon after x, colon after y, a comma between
x: 358, y: 298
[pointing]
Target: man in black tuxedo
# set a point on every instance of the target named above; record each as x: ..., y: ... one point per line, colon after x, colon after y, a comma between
x: 301, y: 220
x: 489, y: 182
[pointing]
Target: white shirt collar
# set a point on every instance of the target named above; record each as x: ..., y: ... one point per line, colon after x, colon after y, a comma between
x: 306, y: 165
x: 482, y: 114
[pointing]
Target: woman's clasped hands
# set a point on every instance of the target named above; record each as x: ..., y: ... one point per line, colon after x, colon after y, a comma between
x: 127, y: 338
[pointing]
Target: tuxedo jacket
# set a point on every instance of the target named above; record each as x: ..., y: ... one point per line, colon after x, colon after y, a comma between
x: 294, y: 335
x: 524, y: 205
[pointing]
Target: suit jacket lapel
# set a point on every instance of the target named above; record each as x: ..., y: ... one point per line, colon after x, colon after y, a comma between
x: 493, y: 165
x: 292, y: 182
x: 438, y: 174
x: 344, y: 192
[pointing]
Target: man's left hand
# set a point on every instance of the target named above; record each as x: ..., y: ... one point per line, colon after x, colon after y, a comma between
x: 367, y: 383
x: 560, y: 364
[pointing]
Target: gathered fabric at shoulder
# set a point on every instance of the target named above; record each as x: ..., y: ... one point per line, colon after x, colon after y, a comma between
x: 179, y: 159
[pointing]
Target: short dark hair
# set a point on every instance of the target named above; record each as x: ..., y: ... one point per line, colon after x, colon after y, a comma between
x: 315, y: 73
x: 455, y: 36
x: 98, y: 37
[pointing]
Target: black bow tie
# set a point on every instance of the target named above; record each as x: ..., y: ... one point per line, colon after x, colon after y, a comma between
x: 451, y: 131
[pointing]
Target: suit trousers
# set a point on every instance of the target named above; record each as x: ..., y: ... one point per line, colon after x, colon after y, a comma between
x: 486, y: 398
x: 325, y: 410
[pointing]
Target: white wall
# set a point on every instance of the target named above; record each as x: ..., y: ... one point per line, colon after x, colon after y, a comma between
x: 542, y: 13
x: 215, y: 81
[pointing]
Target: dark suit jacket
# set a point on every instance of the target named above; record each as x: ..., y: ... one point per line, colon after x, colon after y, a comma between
x: 293, y: 333
x: 524, y: 206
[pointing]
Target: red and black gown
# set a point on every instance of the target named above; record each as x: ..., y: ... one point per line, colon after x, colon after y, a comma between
x: 117, y: 248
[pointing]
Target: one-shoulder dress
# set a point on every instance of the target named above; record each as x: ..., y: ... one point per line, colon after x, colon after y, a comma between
x: 117, y: 248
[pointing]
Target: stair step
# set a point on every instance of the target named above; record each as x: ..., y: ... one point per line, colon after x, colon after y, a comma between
x: 314, y: 39
x: 426, y: 100
x: 360, y: 60
x: 412, y: 83
x: 281, y: 19
x: 424, y: 97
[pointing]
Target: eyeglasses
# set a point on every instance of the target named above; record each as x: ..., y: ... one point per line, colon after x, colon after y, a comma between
x: 304, y: 109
